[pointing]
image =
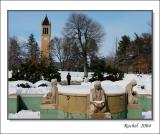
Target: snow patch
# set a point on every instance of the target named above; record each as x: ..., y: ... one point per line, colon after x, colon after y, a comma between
x: 10, y: 74
x: 147, y: 115
x: 25, y: 114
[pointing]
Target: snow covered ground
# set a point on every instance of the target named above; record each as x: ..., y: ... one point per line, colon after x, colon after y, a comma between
x: 25, y: 114
x: 77, y: 76
x: 144, y: 85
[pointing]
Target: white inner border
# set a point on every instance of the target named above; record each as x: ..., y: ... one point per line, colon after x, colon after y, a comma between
x: 42, y: 126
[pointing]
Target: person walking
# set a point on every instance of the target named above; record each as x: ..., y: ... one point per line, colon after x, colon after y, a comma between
x: 68, y: 78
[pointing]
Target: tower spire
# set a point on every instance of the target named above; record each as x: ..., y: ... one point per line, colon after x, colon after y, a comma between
x: 45, y: 21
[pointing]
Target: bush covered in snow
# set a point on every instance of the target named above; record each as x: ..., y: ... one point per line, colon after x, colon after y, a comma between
x: 22, y: 84
x: 42, y: 83
x: 26, y: 85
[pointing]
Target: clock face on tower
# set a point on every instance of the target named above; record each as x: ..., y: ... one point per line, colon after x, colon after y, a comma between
x: 45, y: 38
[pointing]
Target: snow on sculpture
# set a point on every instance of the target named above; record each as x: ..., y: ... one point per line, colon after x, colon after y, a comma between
x: 52, y: 96
x: 97, y: 100
x: 132, y: 95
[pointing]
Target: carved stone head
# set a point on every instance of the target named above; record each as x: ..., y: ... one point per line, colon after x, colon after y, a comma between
x: 133, y: 83
x: 54, y: 82
x: 97, y: 85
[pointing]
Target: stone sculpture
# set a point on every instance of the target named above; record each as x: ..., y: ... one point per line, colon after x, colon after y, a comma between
x: 97, y: 101
x: 86, y: 80
x: 132, y: 96
x: 52, y: 96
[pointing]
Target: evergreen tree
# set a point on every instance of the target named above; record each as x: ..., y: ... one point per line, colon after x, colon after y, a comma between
x: 135, y: 55
x: 33, y: 49
x: 14, y: 58
x: 123, y: 53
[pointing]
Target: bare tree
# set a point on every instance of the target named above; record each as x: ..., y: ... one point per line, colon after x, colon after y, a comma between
x: 110, y: 60
x: 84, y: 31
x: 57, y: 47
x: 67, y: 48
x: 72, y: 56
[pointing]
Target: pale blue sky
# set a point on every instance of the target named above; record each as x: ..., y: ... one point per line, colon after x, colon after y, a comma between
x: 115, y: 24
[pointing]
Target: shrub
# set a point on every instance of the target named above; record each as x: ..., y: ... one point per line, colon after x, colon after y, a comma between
x: 114, y: 74
x: 142, y: 87
x: 26, y: 85
x: 98, y: 66
x: 42, y: 85
x: 32, y: 71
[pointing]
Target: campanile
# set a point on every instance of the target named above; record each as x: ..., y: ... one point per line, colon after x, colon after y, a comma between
x: 45, y: 37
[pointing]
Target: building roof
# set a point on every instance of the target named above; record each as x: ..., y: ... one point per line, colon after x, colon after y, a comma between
x: 46, y: 21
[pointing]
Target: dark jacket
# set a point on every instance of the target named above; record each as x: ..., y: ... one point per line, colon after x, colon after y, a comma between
x: 68, y: 77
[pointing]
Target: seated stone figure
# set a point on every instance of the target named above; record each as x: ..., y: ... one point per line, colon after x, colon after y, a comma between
x: 97, y: 101
x: 132, y: 96
x: 52, y: 96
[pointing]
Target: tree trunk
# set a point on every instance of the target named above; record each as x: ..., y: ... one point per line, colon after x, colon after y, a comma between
x: 85, y: 67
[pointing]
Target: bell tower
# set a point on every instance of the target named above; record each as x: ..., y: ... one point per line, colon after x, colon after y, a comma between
x: 45, y: 37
